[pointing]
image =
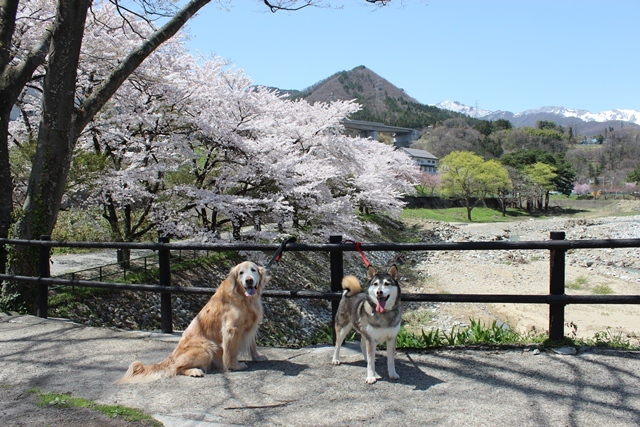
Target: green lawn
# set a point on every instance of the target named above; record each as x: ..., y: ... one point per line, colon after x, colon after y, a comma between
x: 460, y: 215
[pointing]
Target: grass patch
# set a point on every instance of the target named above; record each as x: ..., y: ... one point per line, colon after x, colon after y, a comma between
x: 460, y: 215
x: 602, y: 290
x: 610, y: 339
x: 477, y: 333
x: 65, y: 400
x: 577, y: 284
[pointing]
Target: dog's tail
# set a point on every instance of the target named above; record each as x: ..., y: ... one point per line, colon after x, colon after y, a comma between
x: 139, y: 373
x: 351, y: 286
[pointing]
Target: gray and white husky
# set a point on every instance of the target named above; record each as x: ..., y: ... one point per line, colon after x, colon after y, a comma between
x: 375, y: 314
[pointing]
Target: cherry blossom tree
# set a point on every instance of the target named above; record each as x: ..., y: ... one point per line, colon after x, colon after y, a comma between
x: 581, y: 189
x: 258, y: 158
x: 429, y: 181
x: 67, y: 106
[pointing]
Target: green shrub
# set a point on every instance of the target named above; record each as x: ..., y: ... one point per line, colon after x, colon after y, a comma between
x: 602, y: 290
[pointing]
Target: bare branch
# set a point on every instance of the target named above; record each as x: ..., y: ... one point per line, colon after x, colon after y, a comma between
x: 287, y: 5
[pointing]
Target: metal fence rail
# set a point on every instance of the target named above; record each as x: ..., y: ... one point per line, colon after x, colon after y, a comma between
x: 556, y: 299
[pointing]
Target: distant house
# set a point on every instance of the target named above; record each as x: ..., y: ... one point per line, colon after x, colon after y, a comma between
x: 424, y: 159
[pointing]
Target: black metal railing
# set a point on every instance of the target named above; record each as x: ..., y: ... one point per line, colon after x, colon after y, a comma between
x: 122, y: 270
x: 556, y: 298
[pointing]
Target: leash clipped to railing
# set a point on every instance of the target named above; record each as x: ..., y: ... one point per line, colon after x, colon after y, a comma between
x: 276, y: 257
x: 360, y: 251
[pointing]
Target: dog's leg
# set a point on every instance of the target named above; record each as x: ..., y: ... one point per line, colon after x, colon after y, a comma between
x: 391, y: 359
x: 253, y: 348
x: 341, y: 334
x: 192, y: 363
x: 230, y: 349
x: 371, y: 361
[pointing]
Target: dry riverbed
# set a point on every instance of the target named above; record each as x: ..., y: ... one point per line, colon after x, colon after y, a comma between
x: 593, y: 271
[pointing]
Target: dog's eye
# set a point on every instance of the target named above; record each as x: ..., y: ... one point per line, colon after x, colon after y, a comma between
x: 240, y: 273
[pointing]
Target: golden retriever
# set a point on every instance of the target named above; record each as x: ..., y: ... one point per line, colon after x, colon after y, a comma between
x: 225, y: 327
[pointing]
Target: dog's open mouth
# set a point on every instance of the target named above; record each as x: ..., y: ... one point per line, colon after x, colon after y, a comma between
x: 381, y: 302
x: 249, y: 292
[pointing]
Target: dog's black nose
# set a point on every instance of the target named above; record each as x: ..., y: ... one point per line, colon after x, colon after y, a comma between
x: 248, y: 281
x: 379, y: 293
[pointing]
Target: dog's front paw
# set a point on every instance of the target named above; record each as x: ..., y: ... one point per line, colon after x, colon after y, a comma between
x: 239, y: 366
x: 259, y: 358
x: 394, y: 376
x: 371, y: 380
x: 194, y: 372
x: 336, y: 361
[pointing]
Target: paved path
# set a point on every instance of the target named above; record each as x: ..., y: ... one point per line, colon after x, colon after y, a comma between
x: 300, y: 387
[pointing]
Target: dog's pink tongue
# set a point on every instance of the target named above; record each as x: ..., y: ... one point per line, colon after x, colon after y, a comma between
x: 249, y: 292
x: 380, y: 305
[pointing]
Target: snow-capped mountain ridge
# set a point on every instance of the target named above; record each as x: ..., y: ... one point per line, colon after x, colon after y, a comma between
x: 624, y: 115
x: 464, y: 109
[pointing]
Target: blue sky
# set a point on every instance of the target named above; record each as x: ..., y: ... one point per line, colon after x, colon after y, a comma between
x: 509, y: 55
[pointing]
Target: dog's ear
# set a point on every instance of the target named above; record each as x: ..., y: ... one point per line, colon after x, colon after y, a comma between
x: 371, y: 272
x: 264, y: 277
x: 233, y: 273
x: 393, y: 272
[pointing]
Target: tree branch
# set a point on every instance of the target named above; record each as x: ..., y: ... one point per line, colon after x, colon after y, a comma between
x: 15, y: 78
x: 112, y: 83
x: 282, y: 6
x: 8, y: 11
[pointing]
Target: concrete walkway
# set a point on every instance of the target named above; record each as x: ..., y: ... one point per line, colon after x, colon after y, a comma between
x: 300, y: 387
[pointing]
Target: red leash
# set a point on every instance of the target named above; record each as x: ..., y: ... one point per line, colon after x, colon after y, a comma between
x: 359, y: 249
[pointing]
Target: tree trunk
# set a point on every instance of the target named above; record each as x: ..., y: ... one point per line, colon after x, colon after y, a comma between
x: 6, y: 185
x: 546, y: 200
x: 124, y: 254
x: 468, y: 205
x: 236, y: 228
x: 13, y: 79
x: 57, y: 132
x: 56, y: 140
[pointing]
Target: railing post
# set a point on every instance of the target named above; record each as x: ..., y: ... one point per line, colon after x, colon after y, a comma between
x: 337, y: 272
x: 44, y: 271
x: 164, y: 265
x: 556, y: 287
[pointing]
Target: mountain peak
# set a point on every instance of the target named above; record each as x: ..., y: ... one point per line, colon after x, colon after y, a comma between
x: 463, y: 109
x: 360, y: 83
